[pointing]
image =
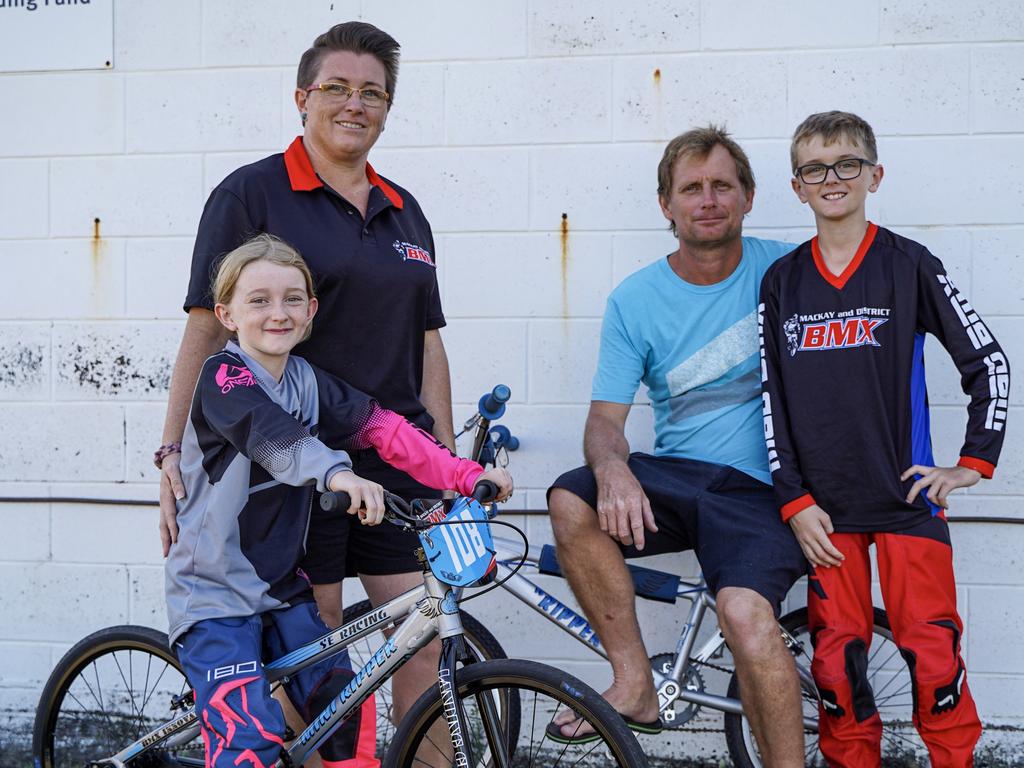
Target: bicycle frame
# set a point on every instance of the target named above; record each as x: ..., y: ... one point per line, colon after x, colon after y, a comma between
x: 669, y: 686
x: 421, y: 614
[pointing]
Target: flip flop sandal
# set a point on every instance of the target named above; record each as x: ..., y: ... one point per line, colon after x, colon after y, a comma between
x: 554, y: 731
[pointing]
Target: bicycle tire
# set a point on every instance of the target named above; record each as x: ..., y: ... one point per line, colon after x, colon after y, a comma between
x: 90, y: 707
x: 530, y: 680
x: 480, y: 641
x: 888, y: 676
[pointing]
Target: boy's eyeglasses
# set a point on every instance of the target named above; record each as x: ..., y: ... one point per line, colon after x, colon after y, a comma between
x: 815, y: 173
x: 341, y: 93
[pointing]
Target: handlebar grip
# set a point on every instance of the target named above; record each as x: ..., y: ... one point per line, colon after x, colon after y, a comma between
x: 485, y: 491
x: 492, y: 405
x: 332, y: 501
x: 503, y: 438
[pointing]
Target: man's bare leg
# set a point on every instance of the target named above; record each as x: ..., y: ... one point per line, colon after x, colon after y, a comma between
x: 769, y: 685
x: 606, y: 595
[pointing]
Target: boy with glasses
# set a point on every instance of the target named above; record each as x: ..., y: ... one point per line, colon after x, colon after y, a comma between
x: 842, y: 322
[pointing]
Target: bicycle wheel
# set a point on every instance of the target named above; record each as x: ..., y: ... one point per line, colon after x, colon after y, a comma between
x: 889, y: 679
x: 109, y: 690
x: 541, y: 692
x: 480, y: 641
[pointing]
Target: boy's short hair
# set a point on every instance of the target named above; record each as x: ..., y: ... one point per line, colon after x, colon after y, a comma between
x: 832, y: 126
x: 700, y: 142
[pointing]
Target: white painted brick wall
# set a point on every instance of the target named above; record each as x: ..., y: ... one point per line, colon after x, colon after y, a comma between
x: 508, y: 115
x: 92, y: 109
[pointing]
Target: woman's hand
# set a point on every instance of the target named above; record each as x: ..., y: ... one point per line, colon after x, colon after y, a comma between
x: 364, y: 493
x: 171, y: 490
x: 502, y: 479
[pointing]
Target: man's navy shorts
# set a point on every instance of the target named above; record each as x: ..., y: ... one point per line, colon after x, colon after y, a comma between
x: 728, y: 518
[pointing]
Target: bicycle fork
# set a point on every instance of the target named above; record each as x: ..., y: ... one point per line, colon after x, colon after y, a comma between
x: 453, y: 650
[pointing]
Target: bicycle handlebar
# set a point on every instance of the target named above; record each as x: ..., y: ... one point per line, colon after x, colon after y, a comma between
x: 398, y: 510
x: 503, y: 438
x: 492, y: 405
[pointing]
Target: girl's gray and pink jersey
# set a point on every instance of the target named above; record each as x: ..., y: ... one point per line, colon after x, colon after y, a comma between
x: 253, y: 450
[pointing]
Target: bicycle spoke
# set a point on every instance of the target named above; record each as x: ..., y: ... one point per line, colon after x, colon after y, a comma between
x: 533, y: 728
x: 129, y: 686
x: 441, y: 750
x: 589, y: 752
x: 897, y: 738
x: 892, y: 677
x: 83, y: 707
x: 156, y: 683
x: 98, y: 697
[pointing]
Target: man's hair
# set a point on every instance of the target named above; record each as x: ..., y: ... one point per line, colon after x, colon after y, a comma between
x: 355, y: 37
x: 699, y: 142
x: 833, y: 126
x: 263, y: 247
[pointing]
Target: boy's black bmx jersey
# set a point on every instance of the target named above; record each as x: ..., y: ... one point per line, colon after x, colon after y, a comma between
x: 846, y: 414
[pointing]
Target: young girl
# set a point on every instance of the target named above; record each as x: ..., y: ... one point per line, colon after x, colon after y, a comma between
x: 255, y: 445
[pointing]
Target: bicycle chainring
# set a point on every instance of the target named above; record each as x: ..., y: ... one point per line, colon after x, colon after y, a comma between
x: 679, y: 712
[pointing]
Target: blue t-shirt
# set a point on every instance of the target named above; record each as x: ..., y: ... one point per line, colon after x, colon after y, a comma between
x: 695, y: 347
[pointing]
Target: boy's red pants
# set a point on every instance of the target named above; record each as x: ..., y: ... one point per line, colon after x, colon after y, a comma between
x: 915, y: 568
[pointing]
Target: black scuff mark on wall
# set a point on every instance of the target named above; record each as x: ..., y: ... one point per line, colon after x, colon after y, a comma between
x: 21, y: 366
x: 115, y: 374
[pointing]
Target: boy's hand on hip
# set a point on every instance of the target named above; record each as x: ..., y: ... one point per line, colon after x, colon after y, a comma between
x: 812, y: 526
x: 940, y: 482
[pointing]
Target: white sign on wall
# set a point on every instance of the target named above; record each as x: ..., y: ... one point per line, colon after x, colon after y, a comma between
x: 47, y: 35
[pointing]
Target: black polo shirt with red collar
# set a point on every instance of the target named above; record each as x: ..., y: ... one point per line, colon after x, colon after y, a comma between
x: 375, y: 277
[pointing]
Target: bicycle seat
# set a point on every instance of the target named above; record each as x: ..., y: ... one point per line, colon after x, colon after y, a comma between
x: 647, y: 582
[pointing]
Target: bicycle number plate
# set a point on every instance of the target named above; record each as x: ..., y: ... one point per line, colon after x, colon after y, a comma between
x: 461, y: 554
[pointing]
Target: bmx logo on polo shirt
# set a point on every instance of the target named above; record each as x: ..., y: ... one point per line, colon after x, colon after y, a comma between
x: 411, y: 252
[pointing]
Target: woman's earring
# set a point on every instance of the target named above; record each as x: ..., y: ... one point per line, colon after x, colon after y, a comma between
x: 304, y: 115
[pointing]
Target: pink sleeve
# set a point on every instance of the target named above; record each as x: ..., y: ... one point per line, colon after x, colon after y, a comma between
x: 410, y: 449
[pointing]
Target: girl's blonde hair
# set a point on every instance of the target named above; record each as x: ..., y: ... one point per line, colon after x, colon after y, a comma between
x: 263, y: 247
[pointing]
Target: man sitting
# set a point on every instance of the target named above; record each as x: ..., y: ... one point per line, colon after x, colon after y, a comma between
x: 687, y: 327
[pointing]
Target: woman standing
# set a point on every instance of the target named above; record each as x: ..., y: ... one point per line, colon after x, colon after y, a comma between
x: 371, y: 251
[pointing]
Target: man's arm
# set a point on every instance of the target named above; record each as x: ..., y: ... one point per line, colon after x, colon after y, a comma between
x: 623, y: 510
x: 436, y: 393
x: 203, y: 336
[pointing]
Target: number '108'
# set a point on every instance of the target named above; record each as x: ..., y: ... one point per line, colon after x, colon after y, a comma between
x: 463, y: 541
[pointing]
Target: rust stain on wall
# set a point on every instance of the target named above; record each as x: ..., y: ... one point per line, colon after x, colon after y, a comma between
x: 564, y: 238
x: 97, y: 249
x: 97, y: 246
x: 659, y: 107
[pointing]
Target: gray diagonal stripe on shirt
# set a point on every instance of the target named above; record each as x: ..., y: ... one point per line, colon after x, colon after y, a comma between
x: 698, y: 401
x: 716, y: 358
